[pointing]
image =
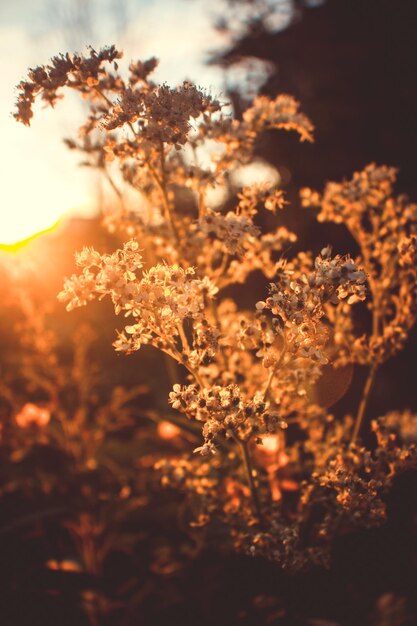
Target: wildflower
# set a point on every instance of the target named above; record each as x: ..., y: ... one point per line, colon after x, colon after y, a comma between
x: 225, y: 411
x: 385, y: 227
x: 231, y: 229
x: 246, y: 374
x: 163, y: 113
x: 76, y: 71
x: 298, y: 302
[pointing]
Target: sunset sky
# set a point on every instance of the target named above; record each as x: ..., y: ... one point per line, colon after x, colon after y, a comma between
x: 40, y: 179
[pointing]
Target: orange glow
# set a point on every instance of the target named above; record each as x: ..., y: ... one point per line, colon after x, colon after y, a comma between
x: 271, y: 443
x: 32, y: 415
x: 271, y: 453
x: 235, y: 491
x: 166, y: 430
x: 271, y: 456
x: 275, y: 486
x: 67, y: 565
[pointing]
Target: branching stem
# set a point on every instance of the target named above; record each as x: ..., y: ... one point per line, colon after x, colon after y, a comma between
x: 161, y: 183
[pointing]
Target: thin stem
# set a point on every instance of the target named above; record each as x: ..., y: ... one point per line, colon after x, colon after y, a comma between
x: 114, y: 187
x: 247, y: 461
x: 186, y: 349
x: 111, y: 104
x: 375, y: 315
x: 275, y: 369
x: 367, y: 262
x: 195, y: 375
x: 201, y: 202
x: 200, y: 190
x: 215, y: 313
x: 364, y: 401
x: 183, y: 337
x: 161, y: 184
x: 103, y: 95
x: 172, y: 351
x: 177, y: 356
x: 171, y: 368
x: 219, y: 271
x: 165, y: 199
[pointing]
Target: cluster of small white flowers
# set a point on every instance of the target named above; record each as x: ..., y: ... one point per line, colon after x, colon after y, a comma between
x: 108, y: 274
x: 158, y: 300
x: 140, y: 70
x: 231, y: 229
x: 164, y: 298
x: 205, y: 343
x: 331, y: 281
x: 225, y: 411
x: 401, y: 423
x: 163, y: 113
x: 75, y: 71
x: 349, y: 200
x: 258, y: 255
x: 385, y: 227
x: 298, y: 302
x: 407, y: 249
x: 338, y: 278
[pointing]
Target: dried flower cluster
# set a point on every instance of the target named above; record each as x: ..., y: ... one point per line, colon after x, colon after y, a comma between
x: 385, y: 229
x: 283, y: 476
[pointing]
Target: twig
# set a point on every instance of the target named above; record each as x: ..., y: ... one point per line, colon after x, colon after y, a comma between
x: 275, y: 369
x: 364, y: 402
x: 165, y: 199
x: 247, y: 462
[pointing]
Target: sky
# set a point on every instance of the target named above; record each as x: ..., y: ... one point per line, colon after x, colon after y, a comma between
x: 39, y: 177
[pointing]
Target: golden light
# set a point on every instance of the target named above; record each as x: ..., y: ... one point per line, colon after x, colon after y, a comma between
x: 271, y: 453
x: 32, y: 415
x: 256, y: 172
x: 40, y: 180
x: 167, y: 430
x: 272, y: 457
x: 271, y: 443
x: 17, y: 244
x: 34, y: 203
x: 66, y: 565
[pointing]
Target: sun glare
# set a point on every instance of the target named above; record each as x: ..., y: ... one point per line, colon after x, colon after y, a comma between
x: 40, y: 183
x: 36, y: 200
x: 18, y: 244
x: 27, y: 219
